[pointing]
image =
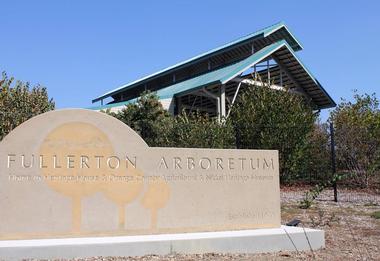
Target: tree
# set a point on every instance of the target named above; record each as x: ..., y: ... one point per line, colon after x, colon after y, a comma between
x: 147, y: 117
x: 20, y: 102
x: 265, y: 118
x: 357, y: 135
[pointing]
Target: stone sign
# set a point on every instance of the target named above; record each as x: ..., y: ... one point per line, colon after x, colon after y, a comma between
x: 74, y: 173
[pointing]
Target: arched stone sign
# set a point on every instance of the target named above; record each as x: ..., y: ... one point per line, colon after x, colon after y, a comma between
x: 74, y: 172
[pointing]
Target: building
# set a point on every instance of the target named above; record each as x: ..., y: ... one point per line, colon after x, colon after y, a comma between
x: 210, y: 82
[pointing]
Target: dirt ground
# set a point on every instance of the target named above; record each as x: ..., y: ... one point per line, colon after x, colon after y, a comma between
x: 351, y: 232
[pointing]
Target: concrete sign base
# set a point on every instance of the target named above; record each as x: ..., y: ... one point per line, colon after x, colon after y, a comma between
x: 240, y: 241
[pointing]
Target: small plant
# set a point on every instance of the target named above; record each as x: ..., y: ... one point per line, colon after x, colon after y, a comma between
x: 376, y: 215
x: 306, y: 202
x: 313, y: 193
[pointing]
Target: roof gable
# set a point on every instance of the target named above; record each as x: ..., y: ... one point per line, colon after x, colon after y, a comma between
x: 223, y: 75
x: 271, y: 34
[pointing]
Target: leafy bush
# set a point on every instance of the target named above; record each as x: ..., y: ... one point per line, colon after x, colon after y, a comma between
x: 199, y: 131
x: 154, y: 124
x: 264, y: 118
x: 147, y: 117
x: 19, y: 102
x: 357, y: 135
x: 317, y: 156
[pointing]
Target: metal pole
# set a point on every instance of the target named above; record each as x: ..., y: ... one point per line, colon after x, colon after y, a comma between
x: 218, y: 109
x: 223, y: 101
x: 233, y: 99
x: 333, y: 162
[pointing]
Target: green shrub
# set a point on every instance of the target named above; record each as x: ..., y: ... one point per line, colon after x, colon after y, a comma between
x: 357, y: 136
x: 147, y: 117
x: 154, y: 124
x: 264, y: 118
x: 317, y: 154
x: 197, y: 130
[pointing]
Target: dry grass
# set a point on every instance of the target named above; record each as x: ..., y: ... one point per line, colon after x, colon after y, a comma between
x: 351, y: 232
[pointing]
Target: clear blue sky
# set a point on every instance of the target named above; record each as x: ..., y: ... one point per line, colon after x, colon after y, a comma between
x: 81, y: 49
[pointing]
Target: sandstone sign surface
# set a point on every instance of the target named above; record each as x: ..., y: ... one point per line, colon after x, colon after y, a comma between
x: 73, y: 173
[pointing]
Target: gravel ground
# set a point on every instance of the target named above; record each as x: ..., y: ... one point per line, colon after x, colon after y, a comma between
x: 351, y: 232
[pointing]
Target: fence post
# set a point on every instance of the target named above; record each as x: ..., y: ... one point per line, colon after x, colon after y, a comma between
x: 333, y: 163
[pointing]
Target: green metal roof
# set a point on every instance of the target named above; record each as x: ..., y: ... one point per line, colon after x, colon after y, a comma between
x: 266, y: 32
x: 220, y: 76
x: 112, y: 105
x: 225, y: 74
